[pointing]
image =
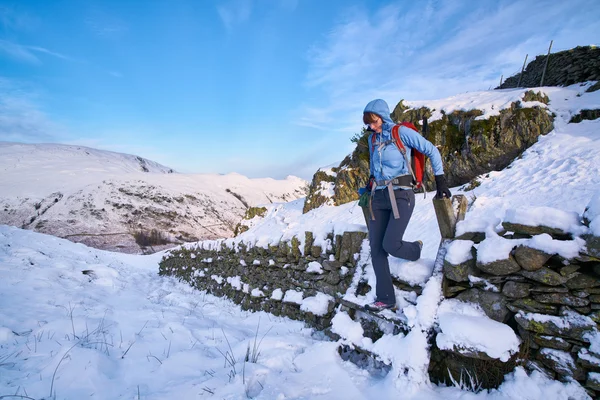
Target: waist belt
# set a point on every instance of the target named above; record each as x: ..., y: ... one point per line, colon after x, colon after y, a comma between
x: 404, y: 180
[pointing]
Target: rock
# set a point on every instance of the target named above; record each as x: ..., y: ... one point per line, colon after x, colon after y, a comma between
x: 476, y: 237
x: 550, y: 289
x: 581, y: 293
x: 452, y: 290
x: 531, y: 305
x: 588, y: 360
x: 572, y: 325
x: 595, y: 298
x: 544, y: 275
x: 460, y: 272
x: 561, y: 362
x: 535, y: 230
x: 561, y: 298
x: 493, y: 304
x: 516, y: 290
x: 500, y: 267
x: 569, y: 270
x: 595, y: 316
x: 552, y: 342
x: 593, y: 381
x: 582, y: 281
x: 346, y: 248
x: 530, y: 259
x: 592, y: 244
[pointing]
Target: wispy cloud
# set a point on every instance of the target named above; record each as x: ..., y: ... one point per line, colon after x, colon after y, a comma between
x: 28, y: 54
x: 21, y: 118
x: 105, y: 25
x: 432, y: 49
x: 234, y: 12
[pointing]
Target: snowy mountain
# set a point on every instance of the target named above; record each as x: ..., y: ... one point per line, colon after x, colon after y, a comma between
x: 102, y: 198
x: 77, y: 322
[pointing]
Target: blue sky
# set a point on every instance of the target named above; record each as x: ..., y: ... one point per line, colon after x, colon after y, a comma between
x: 258, y: 87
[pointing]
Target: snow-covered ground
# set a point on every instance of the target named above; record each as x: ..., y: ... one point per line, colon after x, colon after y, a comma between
x: 121, y: 331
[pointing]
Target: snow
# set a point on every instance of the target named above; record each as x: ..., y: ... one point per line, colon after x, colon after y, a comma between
x: 73, y: 190
x: 293, y: 296
x: 546, y: 216
x: 565, y: 248
x: 124, y: 328
x: 314, y: 266
x: 592, y: 213
x: 459, y: 252
x: 466, y: 326
x: 476, y: 225
x: 277, y: 294
x: 562, y: 358
x: 495, y: 248
x: 317, y: 304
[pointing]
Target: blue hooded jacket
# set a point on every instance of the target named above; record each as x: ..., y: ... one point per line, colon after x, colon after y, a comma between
x: 386, y: 161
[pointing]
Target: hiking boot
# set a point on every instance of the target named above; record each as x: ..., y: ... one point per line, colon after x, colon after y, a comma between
x: 380, y: 306
x: 420, y: 243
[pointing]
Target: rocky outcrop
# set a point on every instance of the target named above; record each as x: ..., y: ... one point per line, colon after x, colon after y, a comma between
x: 469, y: 147
x: 580, y: 64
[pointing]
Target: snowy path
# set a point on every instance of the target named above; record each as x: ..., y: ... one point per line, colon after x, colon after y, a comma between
x: 171, y: 336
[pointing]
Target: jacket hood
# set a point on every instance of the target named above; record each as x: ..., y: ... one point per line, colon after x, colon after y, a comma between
x: 379, y: 107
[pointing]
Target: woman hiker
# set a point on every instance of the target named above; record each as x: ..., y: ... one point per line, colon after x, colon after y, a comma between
x: 392, y: 179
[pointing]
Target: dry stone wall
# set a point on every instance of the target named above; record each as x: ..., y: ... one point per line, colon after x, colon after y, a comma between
x: 282, y: 280
x: 580, y: 64
x: 551, y: 301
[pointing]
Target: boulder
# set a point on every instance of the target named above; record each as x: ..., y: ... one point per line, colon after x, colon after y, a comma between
x: 562, y: 299
x: 535, y: 230
x: 500, y: 267
x: 582, y: 281
x: 516, y: 290
x: 545, y: 275
x: 460, y: 272
x: 493, y: 304
x: 530, y: 259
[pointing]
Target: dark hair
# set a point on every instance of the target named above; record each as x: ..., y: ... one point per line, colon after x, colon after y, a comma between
x: 369, y: 117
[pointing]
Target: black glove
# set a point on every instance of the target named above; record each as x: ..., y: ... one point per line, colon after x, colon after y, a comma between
x: 442, y: 187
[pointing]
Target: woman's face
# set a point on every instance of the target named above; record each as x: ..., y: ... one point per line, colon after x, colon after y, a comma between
x: 376, y: 125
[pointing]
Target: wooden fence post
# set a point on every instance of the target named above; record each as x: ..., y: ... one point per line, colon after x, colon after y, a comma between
x: 546, y: 65
x: 522, y: 71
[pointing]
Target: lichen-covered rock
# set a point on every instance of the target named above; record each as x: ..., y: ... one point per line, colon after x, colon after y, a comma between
x: 460, y: 272
x: 593, y: 381
x: 571, y: 325
x: 493, y: 304
x: 535, y: 230
x: 582, y: 281
x: 561, y: 298
x: 530, y: 305
x: 545, y: 275
x: 530, y: 259
x: 569, y: 270
x: 516, y: 290
x: 500, y: 267
x: 592, y: 244
x: 552, y: 342
x: 561, y: 362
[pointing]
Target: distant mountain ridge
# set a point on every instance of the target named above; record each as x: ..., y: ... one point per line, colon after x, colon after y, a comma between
x: 103, y: 198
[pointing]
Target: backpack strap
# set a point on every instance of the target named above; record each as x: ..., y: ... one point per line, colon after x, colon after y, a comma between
x: 400, y: 145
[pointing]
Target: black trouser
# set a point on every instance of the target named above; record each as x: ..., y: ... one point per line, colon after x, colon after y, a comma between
x: 385, y: 237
